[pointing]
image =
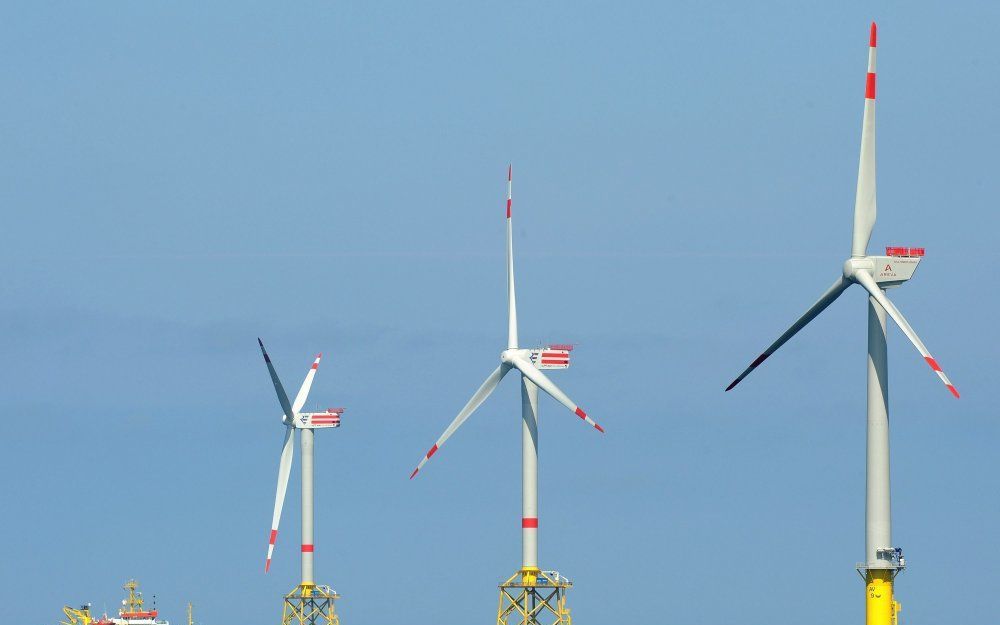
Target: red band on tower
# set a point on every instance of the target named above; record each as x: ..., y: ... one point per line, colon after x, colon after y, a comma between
x: 307, y: 548
x: 529, y: 522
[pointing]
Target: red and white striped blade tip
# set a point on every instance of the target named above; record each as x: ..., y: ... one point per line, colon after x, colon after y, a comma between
x: 427, y: 456
x: 583, y: 415
x: 941, y: 374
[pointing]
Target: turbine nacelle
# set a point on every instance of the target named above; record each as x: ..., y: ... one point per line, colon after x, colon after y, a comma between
x: 888, y: 271
x: 329, y: 418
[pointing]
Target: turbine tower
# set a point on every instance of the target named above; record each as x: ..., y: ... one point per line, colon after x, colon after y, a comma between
x: 308, y: 603
x: 875, y: 274
x: 530, y: 596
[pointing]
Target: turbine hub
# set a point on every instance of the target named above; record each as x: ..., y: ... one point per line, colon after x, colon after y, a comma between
x: 508, y: 355
x: 852, y: 266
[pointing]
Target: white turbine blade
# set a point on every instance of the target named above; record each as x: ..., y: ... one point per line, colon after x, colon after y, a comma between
x: 872, y: 287
x: 477, y: 399
x: 543, y: 382
x: 282, y: 397
x: 825, y: 300
x: 300, y: 399
x: 864, y: 201
x: 511, y: 303
x: 284, y: 470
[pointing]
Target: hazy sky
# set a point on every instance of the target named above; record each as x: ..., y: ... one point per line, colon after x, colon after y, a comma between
x: 180, y: 178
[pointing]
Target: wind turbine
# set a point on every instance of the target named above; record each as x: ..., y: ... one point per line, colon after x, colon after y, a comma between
x: 523, y: 597
x: 875, y: 274
x: 308, y: 603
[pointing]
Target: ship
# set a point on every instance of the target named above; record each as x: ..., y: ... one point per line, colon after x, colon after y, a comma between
x: 132, y: 611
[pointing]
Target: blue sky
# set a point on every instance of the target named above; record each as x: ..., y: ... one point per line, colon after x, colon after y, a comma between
x: 178, y: 179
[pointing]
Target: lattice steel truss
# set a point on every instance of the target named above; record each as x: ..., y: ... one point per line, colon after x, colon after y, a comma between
x: 310, y: 604
x: 533, y: 597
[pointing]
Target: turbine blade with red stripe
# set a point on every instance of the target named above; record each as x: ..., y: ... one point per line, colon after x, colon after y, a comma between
x: 278, y: 388
x: 864, y: 200
x: 511, y: 299
x: 300, y: 399
x: 872, y: 287
x: 477, y: 399
x: 825, y: 300
x: 543, y: 382
x: 284, y: 470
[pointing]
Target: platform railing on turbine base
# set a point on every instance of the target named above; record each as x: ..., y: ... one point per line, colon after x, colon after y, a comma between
x: 533, y: 597
x: 310, y: 604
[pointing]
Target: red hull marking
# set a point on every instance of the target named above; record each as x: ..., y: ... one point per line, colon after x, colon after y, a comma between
x: 529, y: 523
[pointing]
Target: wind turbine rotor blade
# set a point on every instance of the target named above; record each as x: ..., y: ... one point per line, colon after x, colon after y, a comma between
x: 511, y: 299
x: 543, y: 382
x: 282, y: 397
x: 300, y: 399
x: 825, y: 300
x: 477, y: 399
x: 872, y: 287
x: 864, y: 201
x: 284, y: 470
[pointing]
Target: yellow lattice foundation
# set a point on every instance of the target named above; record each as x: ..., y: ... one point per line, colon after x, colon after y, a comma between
x: 534, y: 597
x: 310, y: 604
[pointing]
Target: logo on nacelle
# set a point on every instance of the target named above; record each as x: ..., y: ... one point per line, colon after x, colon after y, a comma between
x: 304, y: 419
x: 887, y: 272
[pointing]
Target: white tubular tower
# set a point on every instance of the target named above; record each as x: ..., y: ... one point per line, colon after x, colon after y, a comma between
x: 308, y: 547
x: 529, y: 475
x: 878, y: 517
